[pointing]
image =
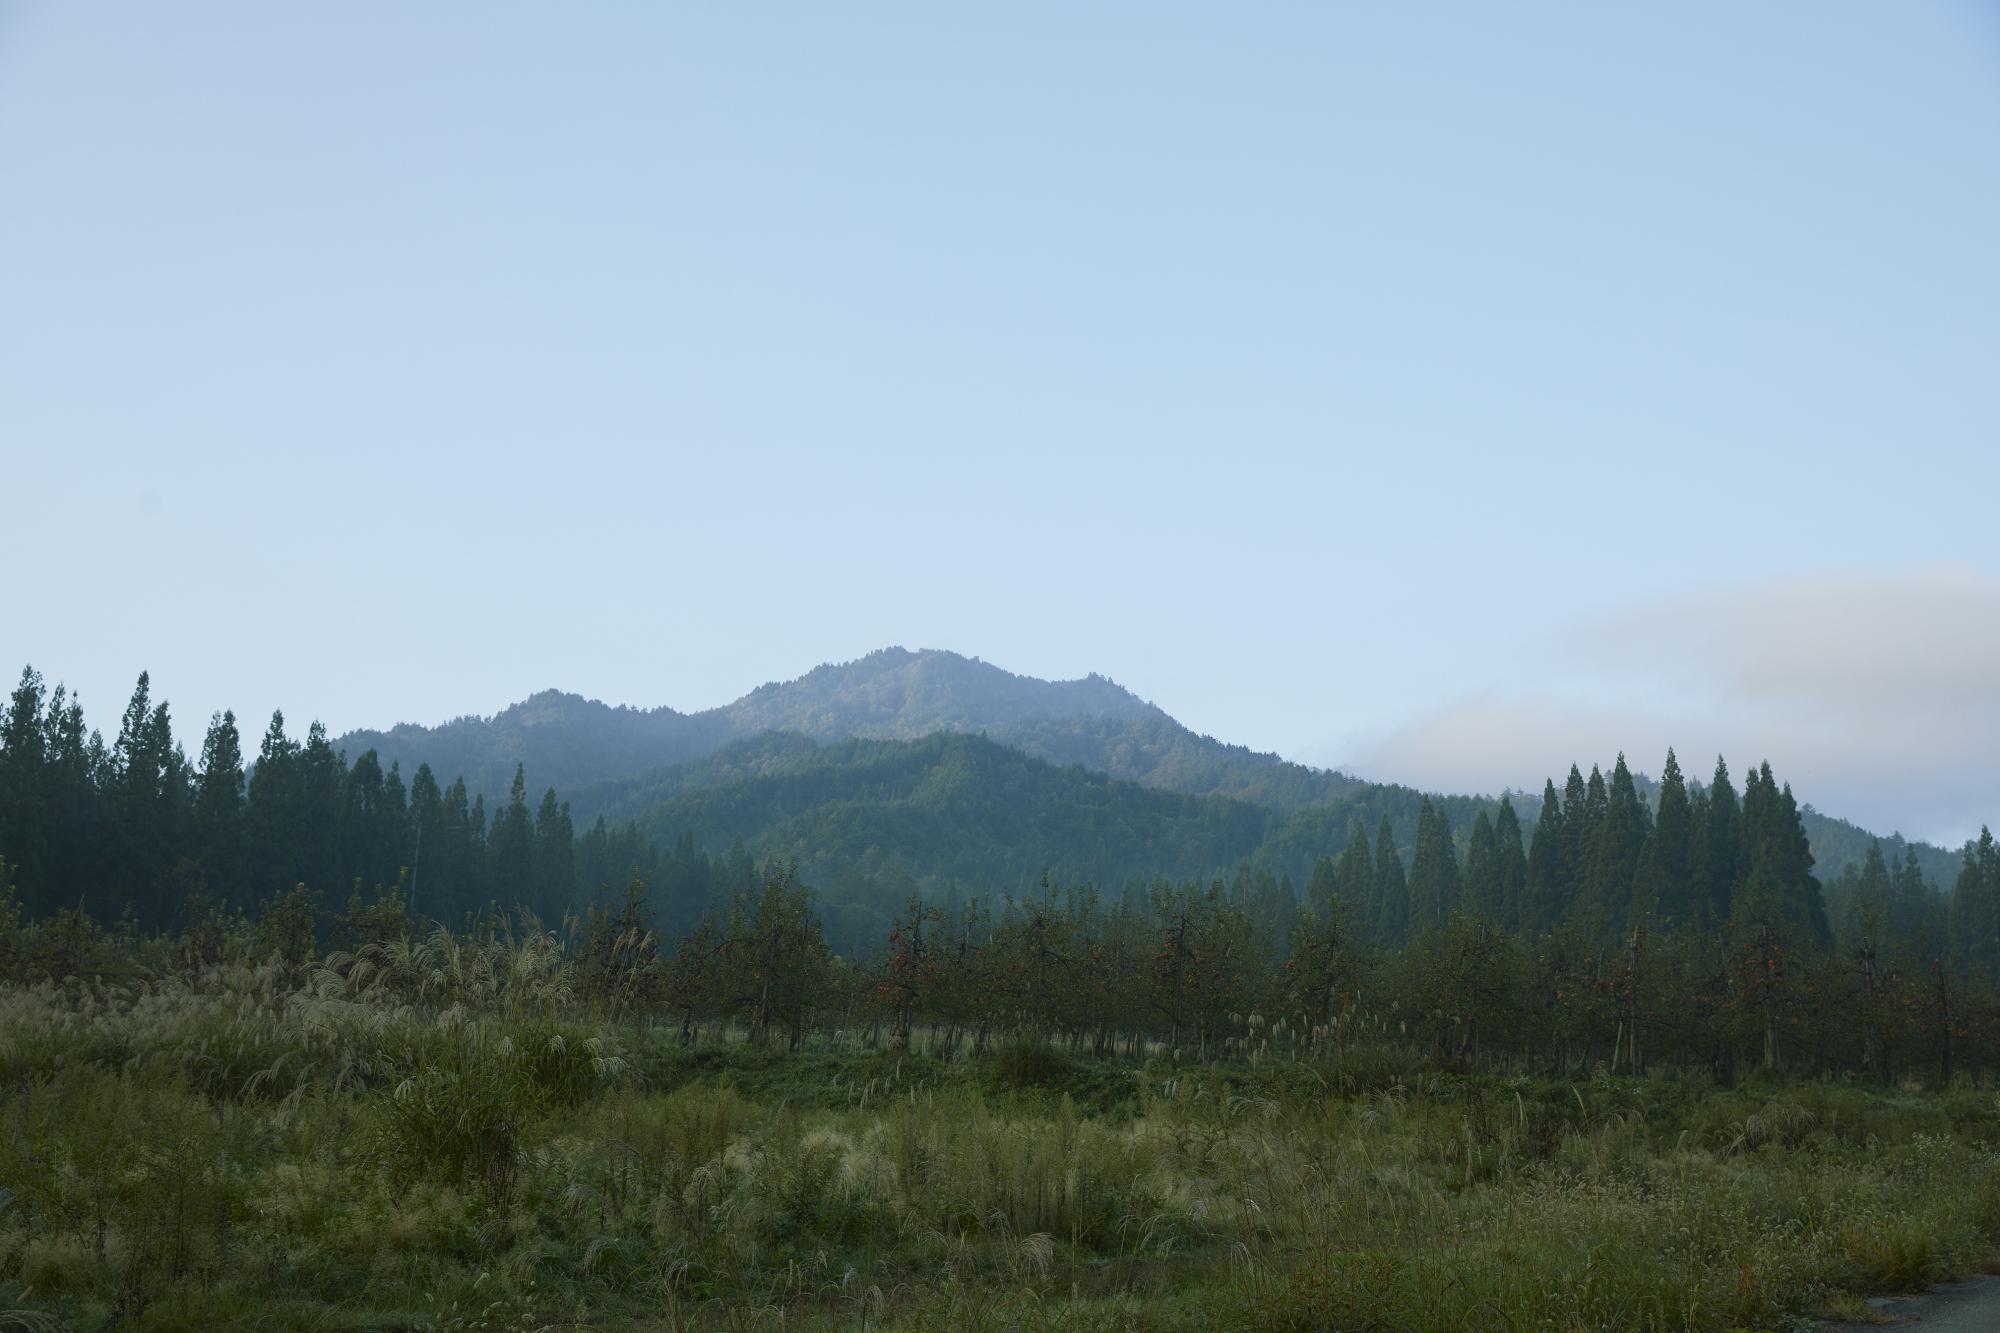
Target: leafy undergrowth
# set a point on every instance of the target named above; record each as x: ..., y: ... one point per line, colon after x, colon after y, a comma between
x: 242, y: 1154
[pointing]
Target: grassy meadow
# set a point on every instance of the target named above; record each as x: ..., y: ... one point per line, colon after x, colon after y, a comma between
x: 262, y: 1145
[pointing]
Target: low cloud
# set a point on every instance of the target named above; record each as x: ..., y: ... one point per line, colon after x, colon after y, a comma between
x: 1876, y: 696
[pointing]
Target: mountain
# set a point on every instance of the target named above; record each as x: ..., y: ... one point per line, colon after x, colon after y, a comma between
x: 603, y: 758
x: 948, y: 806
x: 564, y: 740
x: 896, y: 694
x: 569, y: 742
x: 870, y: 820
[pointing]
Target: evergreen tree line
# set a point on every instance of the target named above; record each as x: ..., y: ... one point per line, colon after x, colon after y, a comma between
x: 1601, y: 860
x: 135, y: 828
x: 1237, y: 967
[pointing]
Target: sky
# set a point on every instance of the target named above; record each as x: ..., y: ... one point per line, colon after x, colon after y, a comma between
x: 1444, y: 392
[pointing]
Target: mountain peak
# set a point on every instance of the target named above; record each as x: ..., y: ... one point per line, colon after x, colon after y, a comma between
x: 894, y: 693
x: 897, y: 693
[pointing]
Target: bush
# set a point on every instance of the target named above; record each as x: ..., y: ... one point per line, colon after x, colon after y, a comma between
x: 1023, y: 1063
x: 459, y: 1127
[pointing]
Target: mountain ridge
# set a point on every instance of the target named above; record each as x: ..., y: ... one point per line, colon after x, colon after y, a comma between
x: 585, y: 748
x: 570, y: 742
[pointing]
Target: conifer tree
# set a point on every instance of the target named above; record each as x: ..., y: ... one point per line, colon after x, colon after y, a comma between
x: 1870, y: 914
x: 276, y: 814
x: 1975, y: 909
x: 1776, y: 889
x: 1661, y: 889
x: 395, y: 825
x: 1322, y: 888
x: 220, y: 819
x: 1482, y: 870
x: 555, y: 850
x: 512, y: 847
x: 1547, y: 901
x: 1988, y: 858
x: 1611, y: 850
x: 76, y: 767
x: 322, y: 776
x: 1392, y: 891
x: 1510, y: 865
x: 1720, y: 845
x: 1578, y: 824
x: 24, y: 782
x: 426, y: 832
x: 1805, y: 886
x: 1354, y: 880
x: 366, y: 850
x: 1914, y: 910
x: 1433, y: 886
x: 463, y: 860
x: 149, y: 801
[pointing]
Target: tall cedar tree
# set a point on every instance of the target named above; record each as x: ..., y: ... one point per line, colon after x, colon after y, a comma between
x: 1576, y: 829
x: 1547, y: 899
x: 1481, y: 880
x: 221, y: 825
x: 24, y: 787
x: 1392, y: 891
x: 554, y: 856
x: 1988, y: 940
x: 1776, y: 888
x: 277, y: 822
x: 1660, y: 888
x: 148, y: 806
x: 321, y: 778
x: 1510, y: 864
x: 1715, y: 869
x: 1433, y: 871
x: 1915, y: 910
x: 1869, y: 917
x: 426, y: 831
x: 1322, y: 887
x: 512, y: 846
x: 1975, y: 910
x: 1611, y: 856
x: 1354, y: 880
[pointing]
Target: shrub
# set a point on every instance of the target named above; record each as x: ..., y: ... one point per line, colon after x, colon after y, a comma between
x: 1023, y: 1063
x: 459, y: 1127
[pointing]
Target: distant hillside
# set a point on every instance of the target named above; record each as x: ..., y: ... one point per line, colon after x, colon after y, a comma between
x: 570, y: 742
x: 598, y: 755
x: 869, y: 819
x: 564, y: 740
x: 945, y: 807
x: 1836, y: 844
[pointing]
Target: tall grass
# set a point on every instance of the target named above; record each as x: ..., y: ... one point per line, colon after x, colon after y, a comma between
x: 266, y: 1147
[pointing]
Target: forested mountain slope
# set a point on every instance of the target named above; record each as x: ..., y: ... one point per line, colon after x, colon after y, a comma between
x: 945, y: 808
x: 954, y: 809
x: 597, y: 754
x: 564, y: 740
x: 136, y: 827
x: 893, y: 694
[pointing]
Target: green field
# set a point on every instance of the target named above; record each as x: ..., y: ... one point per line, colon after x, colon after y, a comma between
x: 262, y: 1145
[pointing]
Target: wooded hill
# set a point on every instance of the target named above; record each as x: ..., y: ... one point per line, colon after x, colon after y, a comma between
x: 135, y: 827
x: 614, y: 760
x: 570, y: 742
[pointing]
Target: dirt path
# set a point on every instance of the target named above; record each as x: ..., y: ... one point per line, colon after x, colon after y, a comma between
x: 1956, y: 1307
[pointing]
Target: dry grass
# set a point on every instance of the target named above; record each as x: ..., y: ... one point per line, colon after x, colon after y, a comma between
x: 263, y: 1148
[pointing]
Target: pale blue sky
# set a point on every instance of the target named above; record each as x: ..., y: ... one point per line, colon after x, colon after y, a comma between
x: 1361, y: 383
